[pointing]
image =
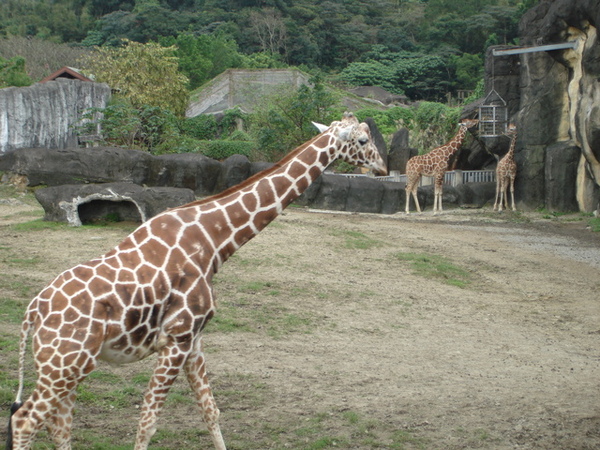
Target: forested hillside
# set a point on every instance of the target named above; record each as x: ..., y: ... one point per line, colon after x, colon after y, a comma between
x: 417, y: 47
x: 155, y: 52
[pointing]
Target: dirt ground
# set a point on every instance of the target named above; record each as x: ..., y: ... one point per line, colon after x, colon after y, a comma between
x: 340, y: 343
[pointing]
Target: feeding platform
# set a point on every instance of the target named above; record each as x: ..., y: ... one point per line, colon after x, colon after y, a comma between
x: 493, y: 116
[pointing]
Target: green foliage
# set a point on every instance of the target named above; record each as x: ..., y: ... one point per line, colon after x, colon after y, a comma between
x: 389, y: 120
x: 221, y: 150
x: 431, y: 124
x: 122, y: 125
x: 59, y: 21
x: 203, y: 126
x: 145, y: 74
x: 283, y: 121
x: 416, y: 75
x: 469, y: 70
x: 203, y: 57
x: 12, y: 72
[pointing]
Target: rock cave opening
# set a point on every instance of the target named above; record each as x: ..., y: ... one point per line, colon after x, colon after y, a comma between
x: 96, y: 211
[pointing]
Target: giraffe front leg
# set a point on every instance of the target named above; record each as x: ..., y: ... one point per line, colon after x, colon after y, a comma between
x: 168, y: 366
x: 195, y: 369
x: 501, y: 200
x: 437, y: 197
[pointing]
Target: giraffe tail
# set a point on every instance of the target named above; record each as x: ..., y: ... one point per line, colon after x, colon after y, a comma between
x: 25, y: 327
x: 13, y: 409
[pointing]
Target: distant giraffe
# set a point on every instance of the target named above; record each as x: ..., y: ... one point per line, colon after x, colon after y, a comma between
x: 153, y: 293
x: 434, y: 164
x: 506, y: 172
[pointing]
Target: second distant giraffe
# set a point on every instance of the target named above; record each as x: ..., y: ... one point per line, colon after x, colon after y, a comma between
x: 506, y: 172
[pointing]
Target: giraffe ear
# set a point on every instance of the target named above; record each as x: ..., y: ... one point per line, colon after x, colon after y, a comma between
x: 320, y: 126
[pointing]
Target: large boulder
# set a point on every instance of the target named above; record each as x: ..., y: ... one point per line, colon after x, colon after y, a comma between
x: 332, y: 193
x: 77, y: 204
x: 400, y: 152
x: 378, y: 139
x: 236, y: 169
x: 187, y: 170
x: 365, y: 195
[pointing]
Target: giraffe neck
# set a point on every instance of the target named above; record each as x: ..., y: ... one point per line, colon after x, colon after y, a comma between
x: 232, y: 218
x: 455, y: 142
x: 511, y: 149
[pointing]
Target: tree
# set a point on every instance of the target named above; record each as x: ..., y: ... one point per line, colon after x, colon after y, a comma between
x: 269, y: 29
x: 145, y: 74
x: 203, y: 57
x: 469, y: 70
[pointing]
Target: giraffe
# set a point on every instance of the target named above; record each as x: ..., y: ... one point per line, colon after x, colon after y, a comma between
x: 506, y: 171
x: 153, y: 293
x: 434, y: 164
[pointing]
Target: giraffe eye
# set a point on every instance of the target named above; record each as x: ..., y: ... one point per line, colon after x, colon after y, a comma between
x: 363, y: 140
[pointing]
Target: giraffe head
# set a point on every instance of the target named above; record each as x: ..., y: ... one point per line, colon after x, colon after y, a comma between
x: 511, y: 130
x: 468, y: 123
x: 356, y: 145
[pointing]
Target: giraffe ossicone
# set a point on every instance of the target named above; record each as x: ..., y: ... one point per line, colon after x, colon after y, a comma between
x: 153, y: 293
x: 506, y: 172
x: 434, y: 164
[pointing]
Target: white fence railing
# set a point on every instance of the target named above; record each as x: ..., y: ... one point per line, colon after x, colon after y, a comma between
x: 453, y: 177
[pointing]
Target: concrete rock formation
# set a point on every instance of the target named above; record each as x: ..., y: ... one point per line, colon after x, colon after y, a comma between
x: 554, y: 97
x: 45, y: 114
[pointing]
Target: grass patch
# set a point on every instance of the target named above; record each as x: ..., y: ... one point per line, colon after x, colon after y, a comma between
x: 435, y: 266
x: 38, y: 225
x: 356, y: 240
x: 12, y: 311
x: 595, y: 224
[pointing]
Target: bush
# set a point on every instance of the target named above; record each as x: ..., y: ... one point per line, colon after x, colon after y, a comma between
x: 203, y: 126
x: 221, y: 150
x: 12, y: 72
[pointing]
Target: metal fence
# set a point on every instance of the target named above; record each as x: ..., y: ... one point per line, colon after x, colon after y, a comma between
x: 453, y: 177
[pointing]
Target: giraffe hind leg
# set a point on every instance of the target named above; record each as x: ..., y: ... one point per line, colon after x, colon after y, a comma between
x: 40, y: 410
x: 195, y: 369
x: 512, y: 194
x: 9, y: 434
x: 61, y: 422
x: 497, y: 193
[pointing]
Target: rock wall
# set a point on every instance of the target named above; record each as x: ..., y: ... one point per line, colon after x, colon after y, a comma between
x: 556, y: 106
x: 205, y: 176
x: 44, y: 115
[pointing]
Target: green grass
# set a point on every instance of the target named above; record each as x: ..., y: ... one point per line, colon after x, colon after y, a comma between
x: 356, y: 240
x: 12, y: 311
x: 435, y: 266
x: 595, y: 224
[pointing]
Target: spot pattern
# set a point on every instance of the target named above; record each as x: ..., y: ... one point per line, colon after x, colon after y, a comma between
x: 434, y: 164
x: 506, y: 172
x: 152, y: 293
